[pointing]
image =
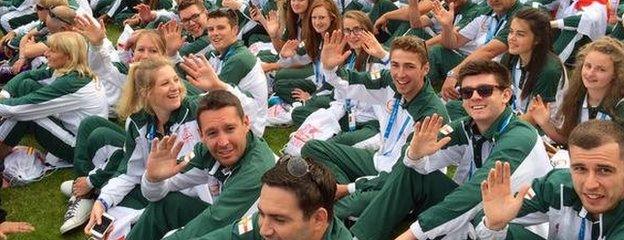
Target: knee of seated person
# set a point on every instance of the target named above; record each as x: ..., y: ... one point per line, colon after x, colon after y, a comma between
x: 100, y: 134
x: 91, y: 122
x: 310, y: 147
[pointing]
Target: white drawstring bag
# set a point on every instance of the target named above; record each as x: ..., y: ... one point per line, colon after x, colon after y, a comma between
x: 24, y: 165
x: 320, y: 125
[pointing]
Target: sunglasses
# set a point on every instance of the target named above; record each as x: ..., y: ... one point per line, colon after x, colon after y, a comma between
x: 483, y: 90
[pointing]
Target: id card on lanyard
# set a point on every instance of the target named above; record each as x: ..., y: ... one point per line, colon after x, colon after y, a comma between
x: 390, y: 126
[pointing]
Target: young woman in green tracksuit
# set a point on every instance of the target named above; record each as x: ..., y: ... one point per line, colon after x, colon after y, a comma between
x: 154, y: 102
x: 323, y: 18
x: 364, y: 125
x: 51, y: 102
x: 99, y: 147
x: 595, y: 91
x: 535, y: 69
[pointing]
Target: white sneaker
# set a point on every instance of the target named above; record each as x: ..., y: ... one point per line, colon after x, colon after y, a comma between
x: 67, y: 188
x: 78, y: 212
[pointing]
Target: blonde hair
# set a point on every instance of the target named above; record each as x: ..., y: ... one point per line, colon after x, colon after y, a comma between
x: 75, y: 47
x: 141, y: 80
x: 577, y: 90
x: 152, y: 35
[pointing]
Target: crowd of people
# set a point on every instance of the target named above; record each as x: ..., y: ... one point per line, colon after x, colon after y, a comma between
x: 415, y: 119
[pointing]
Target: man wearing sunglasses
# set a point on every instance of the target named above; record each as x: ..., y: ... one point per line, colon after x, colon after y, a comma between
x: 444, y: 206
x: 224, y: 171
x: 293, y: 204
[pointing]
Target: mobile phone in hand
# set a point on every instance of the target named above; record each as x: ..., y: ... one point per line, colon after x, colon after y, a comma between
x: 98, y: 231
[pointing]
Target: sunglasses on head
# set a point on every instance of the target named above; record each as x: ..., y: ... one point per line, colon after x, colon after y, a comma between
x: 483, y: 90
x: 40, y: 8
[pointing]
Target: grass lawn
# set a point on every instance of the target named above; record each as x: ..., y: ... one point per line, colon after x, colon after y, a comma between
x: 43, y: 204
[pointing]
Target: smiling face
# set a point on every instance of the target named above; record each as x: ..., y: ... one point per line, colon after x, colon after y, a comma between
x: 321, y: 19
x: 56, y: 58
x: 166, y: 94
x: 299, y: 6
x: 281, y: 218
x: 598, y: 176
x: 221, y: 33
x: 224, y: 132
x: 485, y: 110
x: 193, y: 20
x: 521, y: 39
x: 145, y: 48
x: 598, y: 71
x: 407, y: 72
x: 351, y: 27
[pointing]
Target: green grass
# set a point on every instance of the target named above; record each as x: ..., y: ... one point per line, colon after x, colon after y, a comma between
x: 43, y: 204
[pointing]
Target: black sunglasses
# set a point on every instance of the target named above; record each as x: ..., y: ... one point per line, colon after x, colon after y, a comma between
x: 52, y: 15
x: 483, y: 90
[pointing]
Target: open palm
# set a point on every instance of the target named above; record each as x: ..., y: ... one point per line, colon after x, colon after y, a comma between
x: 499, y: 204
x: 332, y: 53
x: 425, y: 140
x: 161, y: 162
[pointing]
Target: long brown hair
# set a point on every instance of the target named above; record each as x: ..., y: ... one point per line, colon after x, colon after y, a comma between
x: 577, y: 90
x: 291, y: 19
x: 311, y: 38
x: 362, y: 19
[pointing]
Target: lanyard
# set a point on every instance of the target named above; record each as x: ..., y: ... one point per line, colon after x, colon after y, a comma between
x: 519, y: 81
x: 477, y: 145
x: 351, y: 62
x: 391, y: 120
x: 581, y: 233
x: 495, y: 26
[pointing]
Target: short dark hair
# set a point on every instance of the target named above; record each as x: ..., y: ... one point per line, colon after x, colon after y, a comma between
x: 595, y: 133
x: 411, y: 44
x: 316, y: 189
x: 184, y: 4
x: 219, y: 99
x: 231, y: 15
x: 477, y: 67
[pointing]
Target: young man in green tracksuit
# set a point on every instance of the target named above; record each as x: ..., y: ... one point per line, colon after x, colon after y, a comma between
x: 582, y: 202
x: 235, y: 65
x: 292, y: 206
x: 491, y: 132
x: 399, y: 97
x: 230, y: 160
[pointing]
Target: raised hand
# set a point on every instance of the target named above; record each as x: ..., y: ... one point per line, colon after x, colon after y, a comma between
x: 272, y: 24
x: 380, y: 24
x: 172, y: 32
x: 201, y: 74
x: 445, y: 17
x: 90, y: 30
x: 7, y: 38
x: 300, y: 95
x: 499, y: 204
x: 231, y: 4
x: 332, y: 53
x: 289, y: 49
x: 539, y: 111
x: 132, y: 21
x: 162, y: 161
x: 145, y: 13
x: 448, y: 90
x: 425, y: 140
x: 257, y: 16
x: 371, y: 45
